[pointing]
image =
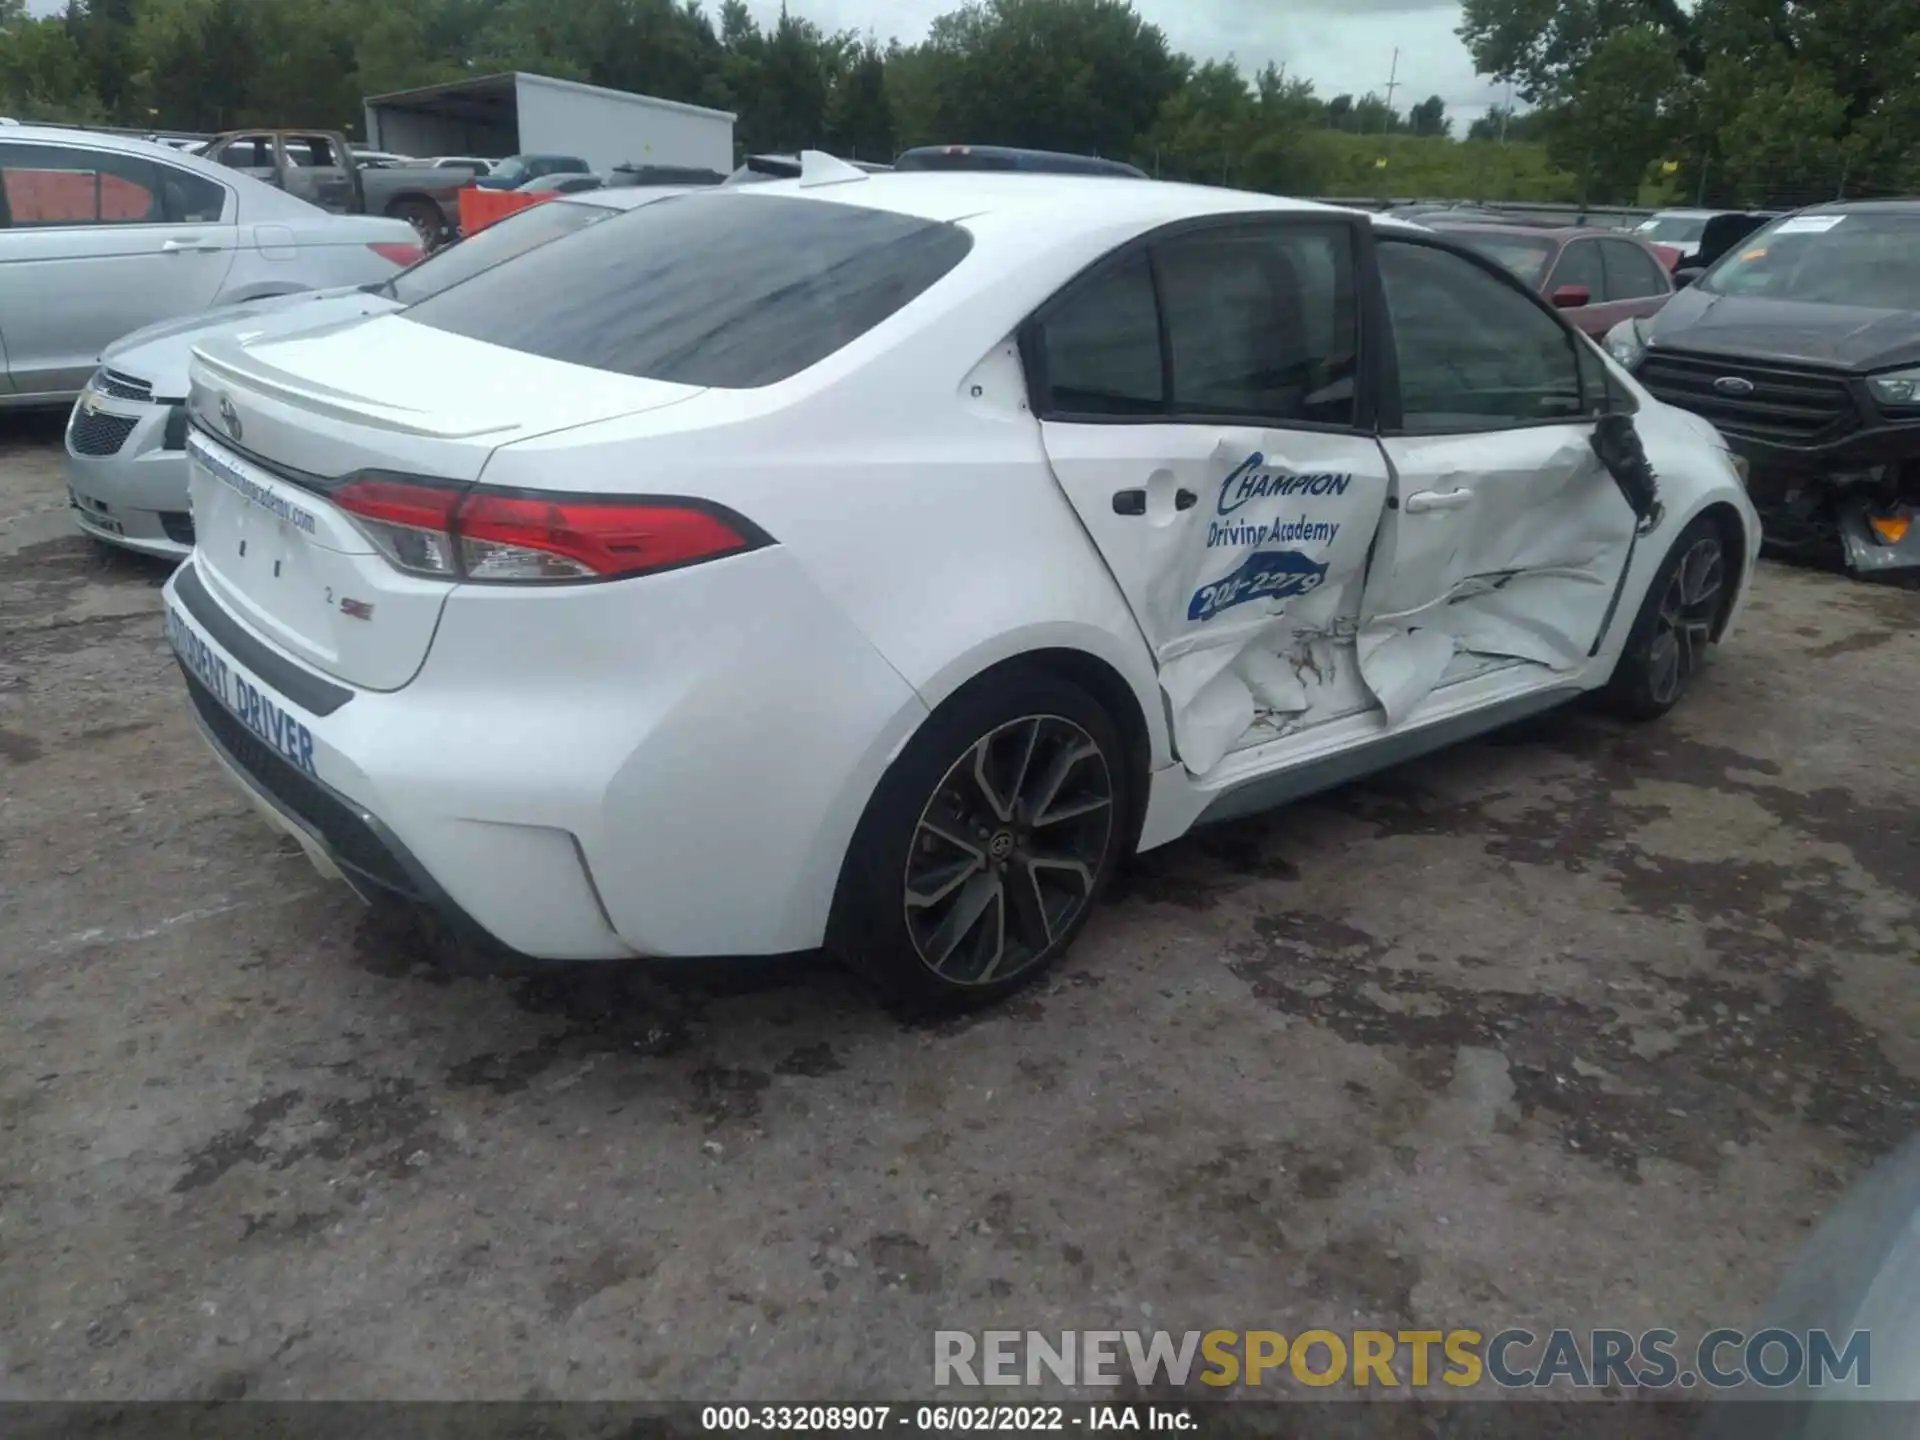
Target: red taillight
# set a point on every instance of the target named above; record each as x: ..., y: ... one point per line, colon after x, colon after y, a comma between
x: 399, y: 253
x: 603, y: 538
x: 516, y: 537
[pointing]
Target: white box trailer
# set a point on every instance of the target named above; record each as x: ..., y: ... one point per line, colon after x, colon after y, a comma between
x: 493, y: 116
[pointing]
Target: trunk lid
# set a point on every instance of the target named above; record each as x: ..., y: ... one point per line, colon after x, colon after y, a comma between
x: 280, y: 423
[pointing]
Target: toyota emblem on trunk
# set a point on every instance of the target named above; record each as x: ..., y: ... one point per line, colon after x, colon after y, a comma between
x: 230, y: 417
x: 1733, y: 385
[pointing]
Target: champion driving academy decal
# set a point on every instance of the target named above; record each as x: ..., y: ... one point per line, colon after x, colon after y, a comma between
x: 1268, y: 573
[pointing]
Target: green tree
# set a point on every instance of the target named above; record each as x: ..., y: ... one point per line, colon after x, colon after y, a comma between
x: 1082, y: 75
x: 860, y: 121
x: 43, y: 75
x: 1429, y: 117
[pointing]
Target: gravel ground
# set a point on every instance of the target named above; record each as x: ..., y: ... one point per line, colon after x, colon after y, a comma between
x: 1583, y: 1025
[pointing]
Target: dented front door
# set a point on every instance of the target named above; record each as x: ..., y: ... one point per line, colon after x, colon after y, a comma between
x: 1202, y: 416
x: 1505, y: 539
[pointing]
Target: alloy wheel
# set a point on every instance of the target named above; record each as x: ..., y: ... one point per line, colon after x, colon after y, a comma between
x: 1683, y: 625
x: 1007, y: 853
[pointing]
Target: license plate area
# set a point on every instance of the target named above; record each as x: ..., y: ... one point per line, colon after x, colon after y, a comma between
x: 245, y: 698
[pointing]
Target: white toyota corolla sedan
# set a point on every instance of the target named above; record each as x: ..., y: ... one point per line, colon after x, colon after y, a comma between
x: 875, y: 560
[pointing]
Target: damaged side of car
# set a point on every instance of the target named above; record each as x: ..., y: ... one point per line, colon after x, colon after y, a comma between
x: 1438, y: 510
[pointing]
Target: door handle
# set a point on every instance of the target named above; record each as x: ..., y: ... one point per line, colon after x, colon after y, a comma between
x: 1185, y: 499
x: 1129, y: 502
x: 1425, y: 500
x: 192, y: 243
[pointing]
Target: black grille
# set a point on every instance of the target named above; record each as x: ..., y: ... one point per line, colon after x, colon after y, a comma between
x: 1784, y: 404
x: 352, y: 842
x: 122, y: 387
x: 178, y: 525
x: 95, y: 432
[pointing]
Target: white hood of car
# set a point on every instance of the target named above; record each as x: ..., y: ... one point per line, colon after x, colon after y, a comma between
x: 160, y: 354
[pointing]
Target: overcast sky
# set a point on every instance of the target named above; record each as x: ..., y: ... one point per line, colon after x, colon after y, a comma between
x: 1343, y: 46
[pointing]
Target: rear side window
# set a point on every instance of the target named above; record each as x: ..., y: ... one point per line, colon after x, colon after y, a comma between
x: 248, y: 152
x: 731, y: 290
x: 1260, y: 321
x: 63, y: 185
x: 1102, y: 349
x: 311, y: 152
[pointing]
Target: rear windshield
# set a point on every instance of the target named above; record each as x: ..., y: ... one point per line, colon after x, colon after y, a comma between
x: 1524, y: 255
x: 1672, y: 229
x: 732, y: 289
x: 484, y: 249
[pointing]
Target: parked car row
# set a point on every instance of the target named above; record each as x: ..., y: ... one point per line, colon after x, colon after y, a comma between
x: 126, y: 441
x: 1081, y: 512
x: 101, y: 235
x: 1801, y: 343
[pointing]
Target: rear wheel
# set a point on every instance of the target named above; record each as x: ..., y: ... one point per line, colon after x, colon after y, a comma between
x: 425, y: 217
x: 1668, y: 644
x: 982, y: 851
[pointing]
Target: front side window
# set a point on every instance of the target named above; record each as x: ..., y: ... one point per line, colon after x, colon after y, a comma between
x: 730, y: 290
x: 1526, y: 256
x: 1632, y: 274
x: 47, y: 185
x: 1256, y: 322
x: 1579, y: 265
x: 1473, y: 353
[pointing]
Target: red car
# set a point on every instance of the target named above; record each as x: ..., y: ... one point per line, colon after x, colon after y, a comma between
x: 1599, y: 277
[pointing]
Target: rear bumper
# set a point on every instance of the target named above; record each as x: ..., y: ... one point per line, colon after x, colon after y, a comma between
x: 666, y: 767
x: 343, y: 840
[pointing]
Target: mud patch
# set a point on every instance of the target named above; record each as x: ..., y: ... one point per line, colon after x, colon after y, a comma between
x: 901, y: 1260
x: 722, y: 1094
x: 19, y: 749
x: 811, y: 1061
x: 1852, y: 644
x: 579, y: 1280
x: 1684, y: 1069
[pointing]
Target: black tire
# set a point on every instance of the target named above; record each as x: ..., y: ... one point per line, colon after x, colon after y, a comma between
x: 1672, y: 633
x: 425, y: 217
x: 1041, y: 759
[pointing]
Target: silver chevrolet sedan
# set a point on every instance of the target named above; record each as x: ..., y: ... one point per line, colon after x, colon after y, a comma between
x: 126, y: 438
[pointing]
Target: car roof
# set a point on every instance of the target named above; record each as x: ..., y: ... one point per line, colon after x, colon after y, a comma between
x: 1540, y: 232
x: 1069, y: 201
x: 626, y: 197
x: 1902, y: 205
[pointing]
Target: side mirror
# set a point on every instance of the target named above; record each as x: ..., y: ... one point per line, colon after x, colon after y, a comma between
x: 1686, y: 275
x: 1572, y: 297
